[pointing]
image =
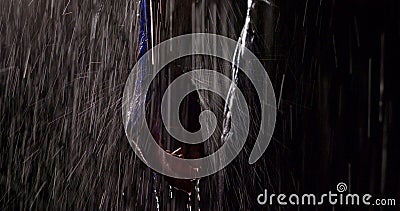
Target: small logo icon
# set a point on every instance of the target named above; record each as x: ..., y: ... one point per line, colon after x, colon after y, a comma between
x: 341, y: 187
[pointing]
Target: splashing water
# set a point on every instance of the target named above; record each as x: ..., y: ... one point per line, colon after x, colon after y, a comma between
x: 63, y: 65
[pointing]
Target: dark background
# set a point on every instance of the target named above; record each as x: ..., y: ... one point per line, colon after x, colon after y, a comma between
x: 63, y: 66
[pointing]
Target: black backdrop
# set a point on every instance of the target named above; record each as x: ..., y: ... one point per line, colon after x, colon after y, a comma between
x: 63, y: 65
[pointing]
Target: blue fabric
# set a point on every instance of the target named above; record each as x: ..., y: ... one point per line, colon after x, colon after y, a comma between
x: 144, y: 30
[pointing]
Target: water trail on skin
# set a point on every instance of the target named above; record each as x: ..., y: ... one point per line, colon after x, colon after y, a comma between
x: 248, y: 39
x: 245, y: 40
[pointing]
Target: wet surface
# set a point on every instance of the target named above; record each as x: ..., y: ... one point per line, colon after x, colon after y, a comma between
x: 63, y: 66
